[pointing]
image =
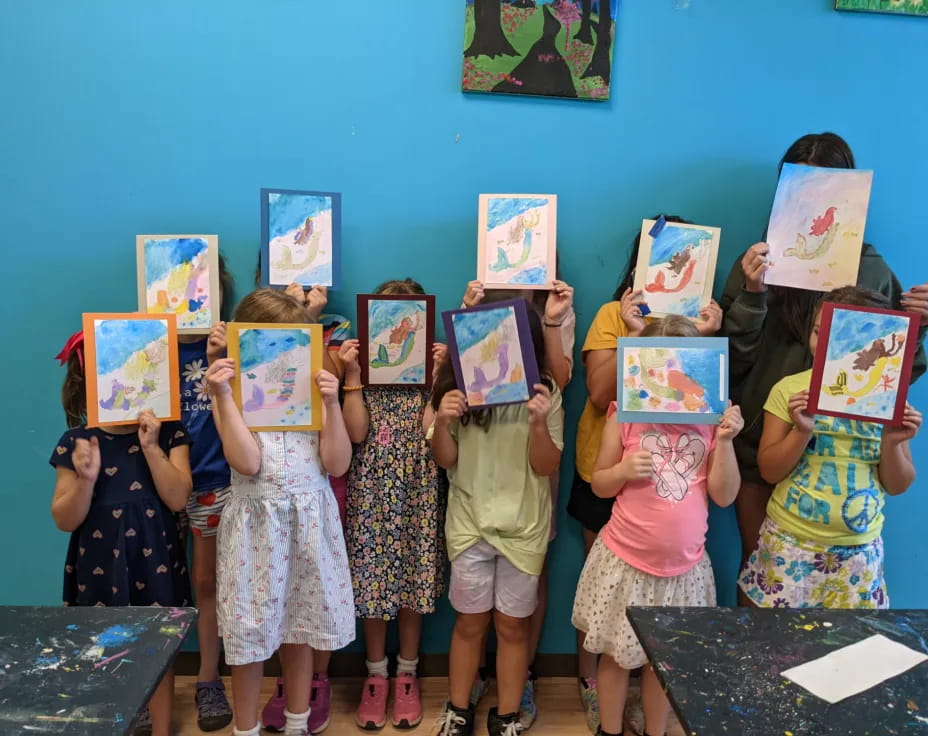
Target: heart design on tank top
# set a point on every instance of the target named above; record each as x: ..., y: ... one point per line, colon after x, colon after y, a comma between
x: 150, y: 513
x: 130, y: 533
x: 147, y: 551
x: 98, y: 571
x: 140, y: 586
x: 81, y: 588
x: 69, y: 568
x: 97, y: 534
x: 81, y: 550
x: 134, y: 449
x: 136, y: 486
x: 117, y: 513
x: 111, y: 471
x: 61, y: 450
x: 161, y: 569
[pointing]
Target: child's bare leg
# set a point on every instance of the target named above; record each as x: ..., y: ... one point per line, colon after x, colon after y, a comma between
x: 204, y: 586
x: 466, y: 639
x: 512, y: 659
x: 296, y: 661
x: 246, y: 691
x: 409, y: 625
x: 655, y: 703
x: 612, y: 683
x: 321, y: 660
x: 161, y: 705
x: 537, y: 619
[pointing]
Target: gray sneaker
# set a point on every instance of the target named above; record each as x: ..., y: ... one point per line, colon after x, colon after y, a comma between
x: 213, y: 710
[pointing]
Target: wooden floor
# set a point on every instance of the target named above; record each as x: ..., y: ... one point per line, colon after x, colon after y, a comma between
x: 559, y: 711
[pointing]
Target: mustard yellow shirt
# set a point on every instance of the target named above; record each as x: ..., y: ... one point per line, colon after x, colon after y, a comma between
x: 834, y: 496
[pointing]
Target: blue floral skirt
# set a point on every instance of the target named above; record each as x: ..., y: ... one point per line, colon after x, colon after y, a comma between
x: 787, y: 572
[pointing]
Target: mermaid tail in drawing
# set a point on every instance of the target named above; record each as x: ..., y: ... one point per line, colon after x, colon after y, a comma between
x: 118, y: 399
x: 800, y: 250
x: 659, y: 285
x: 480, y: 382
x: 679, y: 386
x: 286, y: 263
x: 840, y: 388
x: 256, y: 401
x: 522, y: 229
x: 383, y: 357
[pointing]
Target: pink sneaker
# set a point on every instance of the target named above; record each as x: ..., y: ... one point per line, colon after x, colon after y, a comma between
x: 273, y: 716
x: 372, y: 712
x: 407, y: 707
x: 319, y: 700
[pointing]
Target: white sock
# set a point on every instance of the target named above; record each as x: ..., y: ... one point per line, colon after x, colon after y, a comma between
x: 377, y: 668
x: 406, y: 666
x: 297, y: 723
x: 256, y: 731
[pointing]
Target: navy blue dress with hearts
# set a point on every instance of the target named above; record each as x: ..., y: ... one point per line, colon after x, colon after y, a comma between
x: 127, y: 551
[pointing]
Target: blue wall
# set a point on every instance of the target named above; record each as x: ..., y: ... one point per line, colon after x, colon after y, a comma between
x: 124, y: 117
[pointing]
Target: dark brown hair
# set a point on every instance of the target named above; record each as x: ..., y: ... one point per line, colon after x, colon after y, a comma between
x: 628, y: 279
x: 855, y: 296
x: 227, y: 283
x: 270, y: 305
x: 673, y: 325
x: 400, y: 287
x: 74, y: 393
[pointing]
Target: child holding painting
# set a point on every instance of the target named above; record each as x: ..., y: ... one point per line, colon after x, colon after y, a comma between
x: 820, y: 543
x: 498, y: 526
x: 116, y: 492
x: 396, y: 508
x: 652, y: 549
x: 282, y: 514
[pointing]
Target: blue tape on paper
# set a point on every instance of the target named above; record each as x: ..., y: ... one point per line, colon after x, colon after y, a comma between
x: 658, y: 227
x: 644, y: 309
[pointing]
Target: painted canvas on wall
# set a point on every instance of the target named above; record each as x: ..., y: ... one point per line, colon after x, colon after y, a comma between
x: 300, y: 237
x: 517, y: 240
x: 898, y: 7
x: 863, y: 363
x: 490, y: 348
x: 131, y: 365
x: 274, y: 382
x: 396, y: 334
x: 816, y: 228
x: 672, y: 380
x: 179, y: 274
x: 554, y: 48
x: 676, y: 267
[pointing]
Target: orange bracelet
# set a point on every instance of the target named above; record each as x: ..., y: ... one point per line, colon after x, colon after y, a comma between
x: 352, y: 388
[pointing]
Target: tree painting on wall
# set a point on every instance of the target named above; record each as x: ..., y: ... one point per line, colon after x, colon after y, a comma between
x: 554, y: 48
x: 902, y: 7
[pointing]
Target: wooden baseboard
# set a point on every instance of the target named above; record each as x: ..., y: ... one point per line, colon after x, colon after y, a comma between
x: 352, y: 664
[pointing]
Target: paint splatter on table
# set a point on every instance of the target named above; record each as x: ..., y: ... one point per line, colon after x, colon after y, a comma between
x: 721, y: 669
x: 83, y: 670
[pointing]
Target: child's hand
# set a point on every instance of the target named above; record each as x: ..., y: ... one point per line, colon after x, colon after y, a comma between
x: 296, y: 291
x: 452, y: 406
x: 86, y: 459
x: 474, y: 294
x: 539, y: 405
x: 439, y: 356
x: 636, y: 465
x: 798, y: 403
x: 754, y: 263
x: 710, y: 319
x: 631, y: 312
x: 731, y: 424
x: 558, y: 303
x: 348, y: 353
x: 149, y: 429
x: 315, y: 300
x: 911, y: 422
x: 328, y: 387
x: 216, y: 344
x: 218, y: 376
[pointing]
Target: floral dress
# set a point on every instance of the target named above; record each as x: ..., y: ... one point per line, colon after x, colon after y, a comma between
x: 396, y: 509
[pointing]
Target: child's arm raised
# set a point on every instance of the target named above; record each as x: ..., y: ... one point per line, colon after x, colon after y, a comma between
x: 558, y: 305
x: 238, y: 444
x: 439, y: 356
x: 357, y: 420
x: 171, y: 473
x: 724, y: 477
x: 613, y: 467
x: 74, y: 488
x: 444, y: 446
x: 543, y: 454
x: 601, y: 364
x: 782, y: 443
x: 897, y: 471
x: 334, y: 442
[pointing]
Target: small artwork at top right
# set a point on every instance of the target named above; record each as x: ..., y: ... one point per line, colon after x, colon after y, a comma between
x: 898, y: 7
x: 816, y: 229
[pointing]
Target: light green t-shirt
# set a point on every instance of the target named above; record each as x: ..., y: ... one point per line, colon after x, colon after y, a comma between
x: 494, y: 494
x: 834, y: 495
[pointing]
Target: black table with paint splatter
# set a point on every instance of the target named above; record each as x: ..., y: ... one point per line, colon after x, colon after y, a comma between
x: 83, y: 670
x: 721, y: 669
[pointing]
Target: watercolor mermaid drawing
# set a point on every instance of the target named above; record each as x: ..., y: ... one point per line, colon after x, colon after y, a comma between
x: 519, y: 232
x: 134, y: 391
x: 665, y: 383
x: 308, y: 235
x: 276, y: 373
x: 824, y: 225
x: 403, y: 336
x: 683, y: 259
x: 494, y: 353
x: 871, y: 362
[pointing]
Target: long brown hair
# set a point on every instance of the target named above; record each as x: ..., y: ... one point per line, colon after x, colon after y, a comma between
x: 270, y: 305
x: 400, y: 287
x: 74, y: 392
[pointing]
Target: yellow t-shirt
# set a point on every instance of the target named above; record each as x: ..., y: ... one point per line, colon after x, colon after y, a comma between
x: 494, y: 494
x: 834, y: 496
x: 603, y: 334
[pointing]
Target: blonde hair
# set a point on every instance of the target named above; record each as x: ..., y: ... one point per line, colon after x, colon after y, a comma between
x: 398, y: 287
x: 673, y: 325
x: 270, y: 305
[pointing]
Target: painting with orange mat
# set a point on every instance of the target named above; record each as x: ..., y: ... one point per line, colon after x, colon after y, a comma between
x: 672, y: 380
x: 676, y: 266
x: 179, y: 274
x: 863, y: 363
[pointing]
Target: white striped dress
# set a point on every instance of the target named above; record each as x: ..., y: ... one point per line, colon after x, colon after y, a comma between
x: 282, y: 569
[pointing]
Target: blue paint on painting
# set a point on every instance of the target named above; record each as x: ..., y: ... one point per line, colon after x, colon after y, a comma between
x: 287, y: 212
x: 119, y: 339
x: 472, y: 327
x: 118, y: 635
x: 672, y: 240
x: 416, y: 374
x: 164, y: 255
x: 703, y: 367
x: 388, y: 313
x: 501, y: 210
x: 853, y: 331
x: 258, y: 346
x: 316, y: 276
x: 507, y: 392
x: 535, y: 275
x: 688, y: 307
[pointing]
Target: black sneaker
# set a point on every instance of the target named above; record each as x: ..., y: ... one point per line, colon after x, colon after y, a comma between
x: 213, y: 710
x: 455, y: 722
x: 507, y: 725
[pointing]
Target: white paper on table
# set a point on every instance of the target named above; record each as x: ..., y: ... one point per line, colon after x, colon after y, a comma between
x: 854, y: 668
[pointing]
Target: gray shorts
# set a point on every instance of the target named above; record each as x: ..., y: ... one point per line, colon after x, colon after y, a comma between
x: 482, y: 579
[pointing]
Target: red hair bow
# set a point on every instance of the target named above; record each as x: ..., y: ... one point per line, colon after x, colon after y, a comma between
x: 75, y: 342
